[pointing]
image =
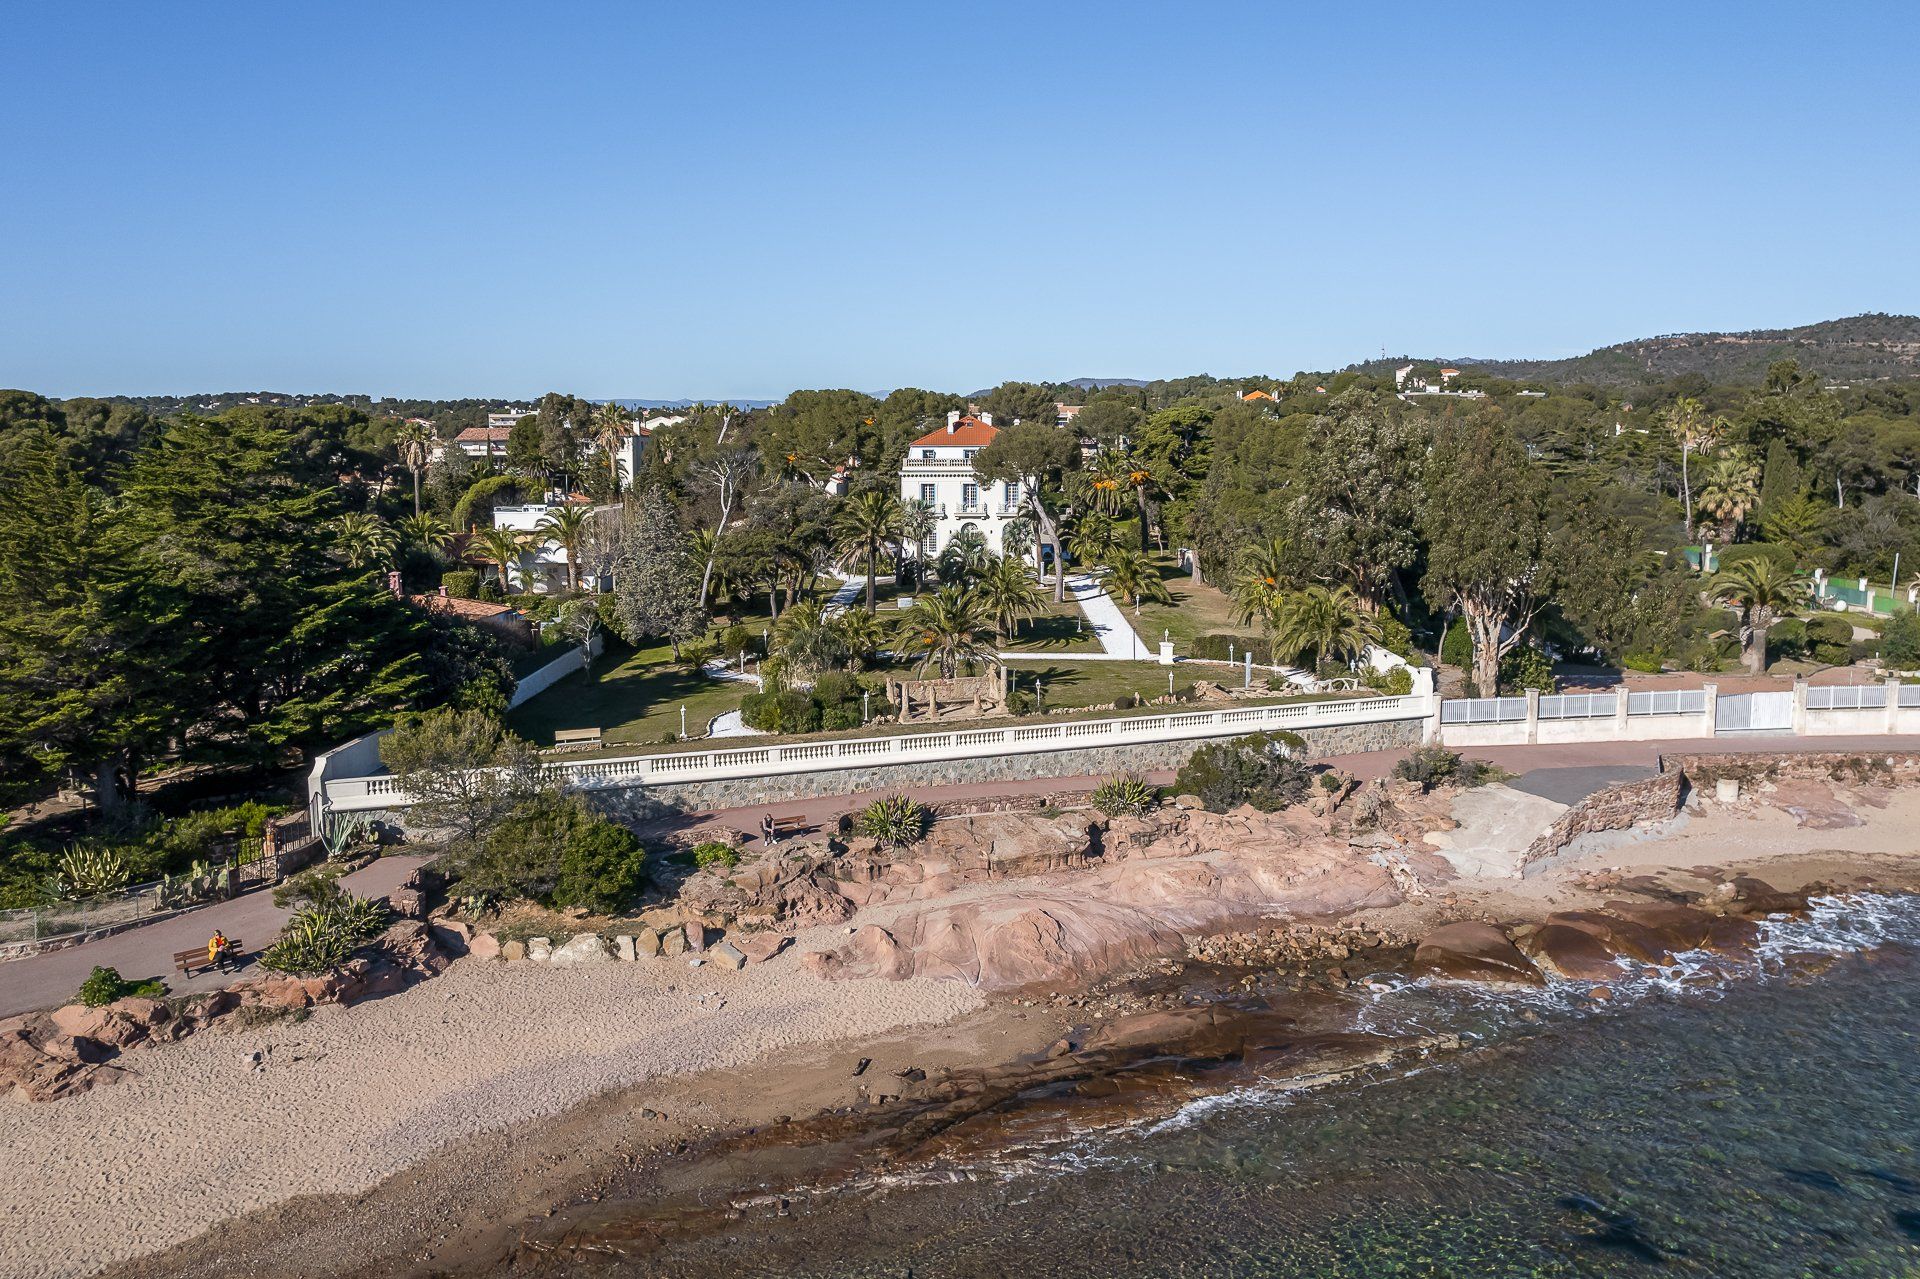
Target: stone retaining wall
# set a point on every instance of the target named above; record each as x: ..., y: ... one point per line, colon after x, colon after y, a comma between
x: 1654, y: 799
x: 636, y: 804
x: 1885, y: 768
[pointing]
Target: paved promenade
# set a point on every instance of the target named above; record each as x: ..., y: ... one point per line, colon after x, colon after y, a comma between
x: 52, y: 978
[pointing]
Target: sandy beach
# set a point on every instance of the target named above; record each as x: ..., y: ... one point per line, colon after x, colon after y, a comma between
x: 353, y: 1095
x: 387, y: 1137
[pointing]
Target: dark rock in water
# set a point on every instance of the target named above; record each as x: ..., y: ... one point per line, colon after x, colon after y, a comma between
x: 1818, y: 1178
x: 1732, y: 935
x: 1680, y: 927
x: 1757, y: 897
x: 1909, y: 1222
x: 1899, y: 1184
x: 1573, y: 953
x: 1618, y: 1231
x: 1619, y: 935
x: 1474, y: 951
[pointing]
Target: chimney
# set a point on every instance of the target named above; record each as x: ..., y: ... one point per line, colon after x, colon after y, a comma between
x: 953, y: 420
x: 987, y: 418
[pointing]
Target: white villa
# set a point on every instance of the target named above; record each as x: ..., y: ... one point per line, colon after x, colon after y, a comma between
x: 542, y: 568
x: 938, y: 474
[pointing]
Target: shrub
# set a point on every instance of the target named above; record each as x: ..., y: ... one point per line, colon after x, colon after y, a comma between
x: 1217, y: 647
x: 104, y: 985
x: 791, y: 711
x: 1645, y: 663
x: 1432, y: 766
x: 714, y: 852
x: 1329, y: 782
x: 1125, y: 795
x: 553, y: 847
x: 1396, y: 638
x: 1787, y: 638
x: 1782, y: 556
x: 1524, y: 668
x: 1019, y: 702
x: 602, y: 869
x: 323, y: 934
x: 1397, y: 682
x: 896, y: 821
x: 461, y: 583
x: 1900, y: 641
x: 1258, y: 770
x: 736, y: 640
x: 1456, y: 647
x: 1829, y: 638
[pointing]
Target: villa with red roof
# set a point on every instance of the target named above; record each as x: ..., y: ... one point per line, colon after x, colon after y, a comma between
x: 938, y: 474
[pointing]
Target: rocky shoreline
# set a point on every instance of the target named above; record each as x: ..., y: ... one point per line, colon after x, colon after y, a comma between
x: 1104, y: 1034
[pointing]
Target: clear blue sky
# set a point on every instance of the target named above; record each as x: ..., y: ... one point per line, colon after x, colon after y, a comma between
x: 734, y: 200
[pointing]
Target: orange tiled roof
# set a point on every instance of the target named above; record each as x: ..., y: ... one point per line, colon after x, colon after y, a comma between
x: 968, y: 433
x: 1256, y: 395
x: 484, y: 435
x: 472, y: 610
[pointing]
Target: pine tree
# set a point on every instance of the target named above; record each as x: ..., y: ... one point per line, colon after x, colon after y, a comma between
x: 656, y: 580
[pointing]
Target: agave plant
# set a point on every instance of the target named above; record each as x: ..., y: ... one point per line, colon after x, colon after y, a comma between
x: 343, y: 833
x: 895, y: 821
x: 90, y: 871
x: 324, y: 934
x: 1124, y: 796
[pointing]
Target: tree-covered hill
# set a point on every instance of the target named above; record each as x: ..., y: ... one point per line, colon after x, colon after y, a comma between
x: 1858, y: 348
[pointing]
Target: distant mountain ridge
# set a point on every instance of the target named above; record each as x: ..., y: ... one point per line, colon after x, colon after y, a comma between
x: 1858, y: 348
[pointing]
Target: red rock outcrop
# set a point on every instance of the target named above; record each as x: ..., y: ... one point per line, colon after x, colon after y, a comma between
x: 1473, y: 951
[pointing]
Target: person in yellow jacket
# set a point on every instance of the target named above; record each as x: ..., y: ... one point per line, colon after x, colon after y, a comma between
x: 217, y: 950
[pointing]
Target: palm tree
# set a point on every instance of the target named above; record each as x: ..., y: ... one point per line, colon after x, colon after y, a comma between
x: 917, y: 522
x: 428, y: 532
x: 364, y: 539
x: 1265, y: 574
x: 1092, y: 538
x: 1008, y: 593
x: 863, y: 633
x: 1141, y: 475
x: 1329, y: 623
x: 866, y: 523
x: 947, y: 629
x: 610, y: 427
x: 1694, y: 430
x: 807, y: 640
x: 966, y: 558
x: 1764, y: 590
x: 1133, y: 576
x: 1103, y: 484
x: 1016, y: 537
x: 566, y: 525
x: 502, y: 548
x: 413, y: 441
x: 1731, y: 492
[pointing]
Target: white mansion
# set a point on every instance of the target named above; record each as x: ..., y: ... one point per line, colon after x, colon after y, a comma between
x: 938, y: 474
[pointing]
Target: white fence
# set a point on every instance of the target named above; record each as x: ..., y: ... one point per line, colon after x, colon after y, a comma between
x: 353, y: 794
x: 1836, y: 711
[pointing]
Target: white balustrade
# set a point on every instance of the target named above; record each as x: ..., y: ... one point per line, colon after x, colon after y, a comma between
x: 360, y: 793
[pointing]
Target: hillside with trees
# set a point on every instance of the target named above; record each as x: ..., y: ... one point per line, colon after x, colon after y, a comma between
x: 1872, y: 347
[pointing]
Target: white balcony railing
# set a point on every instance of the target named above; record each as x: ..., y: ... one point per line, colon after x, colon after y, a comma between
x: 363, y: 793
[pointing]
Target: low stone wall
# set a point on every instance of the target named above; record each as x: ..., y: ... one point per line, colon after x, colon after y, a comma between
x: 1654, y: 799
x: 1891, y: 768
x: 635, y: 804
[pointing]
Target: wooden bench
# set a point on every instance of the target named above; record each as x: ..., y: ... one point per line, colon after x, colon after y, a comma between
x: 573, y: 739
x: 787, y: 827
x: 185, y: 961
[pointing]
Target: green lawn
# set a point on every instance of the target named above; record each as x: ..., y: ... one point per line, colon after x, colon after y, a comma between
x: 1098, y: 684
x: 1196, y: 610
x: 1056, y: 628
x: 631, y: 696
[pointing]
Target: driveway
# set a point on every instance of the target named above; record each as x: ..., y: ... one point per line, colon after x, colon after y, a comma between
x: 52, y: 978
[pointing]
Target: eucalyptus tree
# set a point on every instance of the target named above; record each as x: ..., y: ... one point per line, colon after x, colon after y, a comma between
x: 1036, y: 456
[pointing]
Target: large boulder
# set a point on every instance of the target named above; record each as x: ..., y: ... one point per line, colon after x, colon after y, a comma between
x: 1619, y: 935
x: 1473, y: 951
x: 1573, y: 953
x: 760, y: 947
x: 587, y: 948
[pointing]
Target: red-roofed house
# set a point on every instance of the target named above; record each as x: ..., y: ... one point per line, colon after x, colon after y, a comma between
x: 938, y: 474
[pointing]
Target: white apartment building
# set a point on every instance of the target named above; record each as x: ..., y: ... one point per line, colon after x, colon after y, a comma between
x: 938, y: 474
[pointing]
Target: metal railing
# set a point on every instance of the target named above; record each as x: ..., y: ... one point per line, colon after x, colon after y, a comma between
x: 1849, y: 697
x: 1678, y: 701
x: 1579, y: 705
x: 1483, y: 710
x: 367, y: 793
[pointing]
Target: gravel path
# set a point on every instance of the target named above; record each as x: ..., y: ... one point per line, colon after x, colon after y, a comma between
x: 353, y: 1095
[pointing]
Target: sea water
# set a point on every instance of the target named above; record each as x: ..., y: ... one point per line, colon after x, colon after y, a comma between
x: 1706, y: 1121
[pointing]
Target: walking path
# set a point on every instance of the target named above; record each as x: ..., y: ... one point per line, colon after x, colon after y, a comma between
x: 1117, y: 636
x: 848, y: 591
x: 51, y: 978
